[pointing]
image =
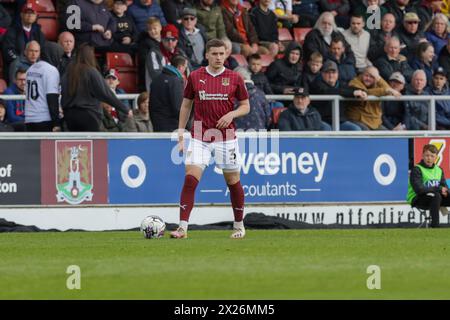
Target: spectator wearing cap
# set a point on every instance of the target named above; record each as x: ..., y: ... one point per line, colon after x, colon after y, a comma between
x: 173, y: 10
x: 126, y: 34
x: 148, y: 40
x: 410, y: 35
x: 399, y: 8
x: 209, y: 15
x: 22, y: 32
x: 265, y: 23
x: 142, y: 10
x: 327, y: 83
x: 301, y: 116
x: 344, y: 59
x: 239, y: 28
x: 67, y: 41
x: 359, y: 40
x: 440, y: 87
x: 425, y: 60
x: 16, y: 108
x: 112, y: 80
x: 444, y: 58
x: 378, y: 37
x: 319, y: 38
x: 167, y: 95
x: 368, y: 114
x: 192, y: 38
x: 259, y: 116
x: 428, y: 9
x: 392, y: 61
x: 394, y: 111
x: 4, y: 125
x: 416, y: 111
x: 169, y: 42
x: 285, y: 74
x: 438, y: 32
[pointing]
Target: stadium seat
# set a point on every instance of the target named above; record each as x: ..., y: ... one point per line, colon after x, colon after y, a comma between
x: 49, y: 25
x: 3, y: 86
x: 284, y: 34
x: 126, y: 68
x: 43, y: 5
x: 300, y: 34
x: 128, y: 81
x: 119, y: 60
x: 266, y: 60
x: 276, y: 116
x: 240, y: 59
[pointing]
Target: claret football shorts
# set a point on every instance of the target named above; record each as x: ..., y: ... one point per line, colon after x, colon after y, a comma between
x: 224, y: 153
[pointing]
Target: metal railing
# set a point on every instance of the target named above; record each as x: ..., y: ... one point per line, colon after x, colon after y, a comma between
x: 335, y: 99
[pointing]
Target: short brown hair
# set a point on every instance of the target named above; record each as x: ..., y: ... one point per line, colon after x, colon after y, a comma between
x: 430, y: 147
x: 153, y: 20
x: 215, y: 43
x: 142, y: 97
x: 316, y: 57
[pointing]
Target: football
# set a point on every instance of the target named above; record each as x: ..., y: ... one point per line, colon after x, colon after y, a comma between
x: 153, y: 227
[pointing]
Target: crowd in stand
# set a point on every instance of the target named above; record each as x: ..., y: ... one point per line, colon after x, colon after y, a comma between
x: 352, y: 48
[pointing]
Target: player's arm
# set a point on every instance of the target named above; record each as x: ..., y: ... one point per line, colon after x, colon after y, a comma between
x: 242, y: 109
x: 53, y: 107
x: 185, y: 112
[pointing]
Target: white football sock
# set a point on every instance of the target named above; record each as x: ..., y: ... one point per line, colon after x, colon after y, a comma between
x: 238, y: 225
x: 184, y: 225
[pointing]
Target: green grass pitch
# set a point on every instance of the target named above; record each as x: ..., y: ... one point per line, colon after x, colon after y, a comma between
x: 275, y: 264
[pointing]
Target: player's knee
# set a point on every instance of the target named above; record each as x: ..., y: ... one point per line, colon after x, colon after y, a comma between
x: 232, y: 178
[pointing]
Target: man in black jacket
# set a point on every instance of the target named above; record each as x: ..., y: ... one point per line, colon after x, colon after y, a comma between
x: 126, y: 33
x: 301, y: 116
x: 399, y: 8
x: 378, y: 37
x: 328, y: 84
x: 167, y: 94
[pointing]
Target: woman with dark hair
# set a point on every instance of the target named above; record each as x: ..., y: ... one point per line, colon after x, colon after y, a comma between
x: 425, y: 59
x: 82, y: 90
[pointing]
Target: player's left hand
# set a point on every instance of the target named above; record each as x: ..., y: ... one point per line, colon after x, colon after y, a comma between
x: 225, y: 121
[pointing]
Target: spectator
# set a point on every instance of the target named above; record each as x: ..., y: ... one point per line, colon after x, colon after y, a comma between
x: 239, y: 28
x: 209, y: 15
x: 340, y: 9
x: 112, y: 123
x: 440, y: 87
x: 392, y: 61
x: 15, y: 109
x: 167, y: 94
x: 67, y: 41
x: 112, y: 80
x: 344, y: 60
x: 173, y: 10
x: 257, y: 76
x: 18, y: 35
x: 4, y: 125
x: 230, y: 62
x: 427, y: 10
x: 328, y: 84
x: 142, y: 10
x: 265, y: 23
x: 409, y: 35
x: 307, y: 11
x: 425, y: 60
x: 399, y: 8
x: 31, y: 55
x: 142, y: 115
x: 42, y: 98
x: 394, y: 111
x: 259, y: 116
x: 312, y: 69
x: 82, y: 90
x: 444, y: 58
x: 416, y: 111
x: 359, y: 40
x: 283, y: 11
x: 438, y: 33
x: 285, y: 74
x: 368, y: 114
x: 148, y: 40
x: 366, y: 9
x: 378, y: 37
x: 319, y: 38
x: 192, y: 38
x: 97, y: 24
x: 126, y: 34
x: 301, y: 116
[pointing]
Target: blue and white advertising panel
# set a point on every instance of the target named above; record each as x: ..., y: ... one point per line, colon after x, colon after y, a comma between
x: 285, y: 170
